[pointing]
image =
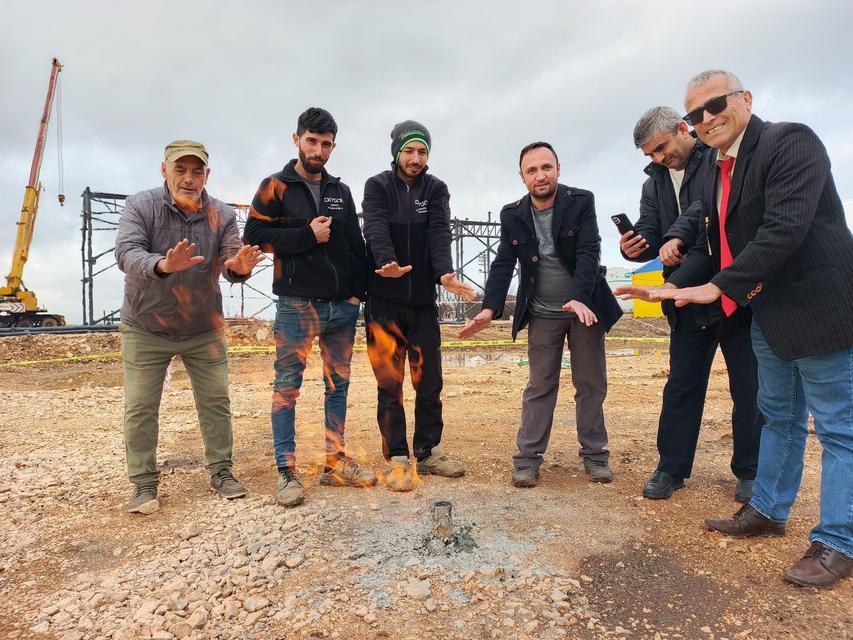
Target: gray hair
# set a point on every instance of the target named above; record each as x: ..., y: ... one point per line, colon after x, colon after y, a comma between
x: 732, y: 80
x: 653, y: 121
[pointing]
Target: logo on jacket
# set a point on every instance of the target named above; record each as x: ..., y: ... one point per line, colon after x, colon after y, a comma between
x: 334, y: 204
x: 421, y: 206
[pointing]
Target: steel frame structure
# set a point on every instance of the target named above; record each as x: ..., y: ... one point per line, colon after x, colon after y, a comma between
x: 474, y: 244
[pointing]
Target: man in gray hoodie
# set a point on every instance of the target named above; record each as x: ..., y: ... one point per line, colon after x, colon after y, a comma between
x: 173, y: 243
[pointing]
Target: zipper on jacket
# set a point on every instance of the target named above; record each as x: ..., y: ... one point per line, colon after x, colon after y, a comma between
x: 325, y: 249
x: 409, y: 235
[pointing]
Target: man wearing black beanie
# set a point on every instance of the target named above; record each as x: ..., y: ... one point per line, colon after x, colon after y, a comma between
x: 407, y: 229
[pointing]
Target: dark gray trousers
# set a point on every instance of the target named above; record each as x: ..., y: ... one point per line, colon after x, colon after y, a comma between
x: 545, y: 339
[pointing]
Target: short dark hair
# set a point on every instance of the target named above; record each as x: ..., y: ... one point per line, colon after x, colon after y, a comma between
x: 536, y: 145
x: 317, y: 120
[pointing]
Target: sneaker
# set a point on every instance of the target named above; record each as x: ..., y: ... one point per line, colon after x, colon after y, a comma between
x: 346, y: 472
x: 440, y: 465
x: 525, y: 477
x: 226, y: 485
x: 144, y: 499
x: 661, y: 485
x: 598, y: 470
x: 289, y: 490
x: 400, y: 474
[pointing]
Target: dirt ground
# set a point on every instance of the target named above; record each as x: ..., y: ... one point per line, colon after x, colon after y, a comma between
x: 566, y: 559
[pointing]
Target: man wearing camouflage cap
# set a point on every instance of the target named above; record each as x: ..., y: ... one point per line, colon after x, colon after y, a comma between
x: 173, y: 243
x: 407, y: 230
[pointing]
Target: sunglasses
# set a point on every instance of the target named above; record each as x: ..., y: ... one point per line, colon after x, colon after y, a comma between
x: 714, y: 106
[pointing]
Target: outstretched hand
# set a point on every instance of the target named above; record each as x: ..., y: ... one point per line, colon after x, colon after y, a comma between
x: 477, y: 323
x: 704, y: 294
x: 179, y: 258
x: 458, y: 288
x: 246, y: 259
x: 583, y: 312
x: 393, y: 270
x: 636, y: 292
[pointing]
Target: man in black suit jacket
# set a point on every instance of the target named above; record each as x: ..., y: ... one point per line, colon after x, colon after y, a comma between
x: 552, y: 233
x: 786, y: 252
x: 670, y: 212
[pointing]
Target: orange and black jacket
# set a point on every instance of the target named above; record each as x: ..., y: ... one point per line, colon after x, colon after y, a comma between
x: 279, y: 222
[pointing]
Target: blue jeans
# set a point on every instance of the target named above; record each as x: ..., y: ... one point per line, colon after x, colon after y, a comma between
x: 787, y: 392
x: 297, y: 322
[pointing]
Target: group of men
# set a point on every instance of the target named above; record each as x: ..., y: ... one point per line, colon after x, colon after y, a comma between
x: 769, y: 238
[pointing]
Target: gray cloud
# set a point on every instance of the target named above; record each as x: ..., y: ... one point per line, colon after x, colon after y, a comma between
x: 486, y: 78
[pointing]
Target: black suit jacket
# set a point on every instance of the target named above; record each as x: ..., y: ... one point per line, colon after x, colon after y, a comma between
x: 576, y: 239
x: 792, y: 248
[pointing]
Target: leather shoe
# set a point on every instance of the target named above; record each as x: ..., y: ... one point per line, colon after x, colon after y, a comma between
x: 743, y: 490
x: 747, y: 522
x: 661, y: 485
x: 821, y: 567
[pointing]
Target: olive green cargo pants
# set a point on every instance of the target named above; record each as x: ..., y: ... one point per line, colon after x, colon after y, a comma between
x: 146, y: 358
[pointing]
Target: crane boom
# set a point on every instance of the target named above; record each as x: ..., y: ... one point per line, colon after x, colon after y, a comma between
x: 14, y: 298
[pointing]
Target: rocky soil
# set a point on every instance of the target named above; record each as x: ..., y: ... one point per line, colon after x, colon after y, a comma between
x: 567, y: 559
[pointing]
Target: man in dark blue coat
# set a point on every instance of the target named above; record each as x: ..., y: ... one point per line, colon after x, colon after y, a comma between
x: 552, y: 233
x: 670, y: 212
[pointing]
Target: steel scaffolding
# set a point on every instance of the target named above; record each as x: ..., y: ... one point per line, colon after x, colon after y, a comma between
x: 474, y: 244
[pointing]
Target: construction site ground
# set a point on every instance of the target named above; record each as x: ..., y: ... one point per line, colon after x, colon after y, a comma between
x: 566, y: 559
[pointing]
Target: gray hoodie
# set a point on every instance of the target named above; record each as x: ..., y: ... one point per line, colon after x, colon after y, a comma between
x: 186, y: 303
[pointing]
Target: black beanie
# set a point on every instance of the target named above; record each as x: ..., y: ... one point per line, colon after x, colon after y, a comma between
x: 406, y: 132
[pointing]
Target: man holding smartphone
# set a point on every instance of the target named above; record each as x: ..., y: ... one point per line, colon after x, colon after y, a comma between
x: 670, y: 214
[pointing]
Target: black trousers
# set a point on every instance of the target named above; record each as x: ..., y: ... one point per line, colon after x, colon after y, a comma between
x: 395, y: 331
x: 691, y: 352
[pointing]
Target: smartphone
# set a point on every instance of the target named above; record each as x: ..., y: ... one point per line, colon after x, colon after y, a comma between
x: 622, y: 223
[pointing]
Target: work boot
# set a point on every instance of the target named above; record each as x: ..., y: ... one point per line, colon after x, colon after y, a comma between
x: 440, y: 465
x: 822, y: 568
x: 226, y: 485
x: 400, y: 474
x: 661, y: 485
x: 525, y: 477
x: 289, y: 489
x: 346, y: 472
x: 144, y: 499
x: 747, y: 522
x: 743, y: 491
x: 597, y: 470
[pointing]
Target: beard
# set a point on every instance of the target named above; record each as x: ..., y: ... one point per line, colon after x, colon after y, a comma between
x: 544, y: 195
x: 313, y: 165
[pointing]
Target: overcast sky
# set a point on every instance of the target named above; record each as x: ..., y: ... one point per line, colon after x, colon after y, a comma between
x: 485, y: 77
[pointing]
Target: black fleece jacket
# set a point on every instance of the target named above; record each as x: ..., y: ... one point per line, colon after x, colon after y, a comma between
x: 279, y: 222
x: 409, y: 225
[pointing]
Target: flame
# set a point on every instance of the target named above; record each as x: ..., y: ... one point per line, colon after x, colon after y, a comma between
x: 188, y: 205
x: 270, y: 189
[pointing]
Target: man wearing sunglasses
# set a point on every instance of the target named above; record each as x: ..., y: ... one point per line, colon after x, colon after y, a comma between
x: 668, y: 226
x: 777, y: 241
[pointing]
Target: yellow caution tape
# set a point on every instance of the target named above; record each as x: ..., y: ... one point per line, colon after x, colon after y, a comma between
x: 271, y: 349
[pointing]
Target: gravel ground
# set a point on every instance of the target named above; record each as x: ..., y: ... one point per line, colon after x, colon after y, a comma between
x: 568, y: 559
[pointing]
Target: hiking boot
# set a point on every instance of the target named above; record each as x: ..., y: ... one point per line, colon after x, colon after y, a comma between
x: 525, y: 477
x: 661, y: 485
x: 598, y: 470
x: 346, y: 472
x: 440, y: 465
x: 400, y: 474
x: 289, y: 489
x: 226, y: 485
x: 144, y: 499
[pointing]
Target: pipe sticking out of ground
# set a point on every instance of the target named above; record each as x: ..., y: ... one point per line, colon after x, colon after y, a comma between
x: 442, y: 520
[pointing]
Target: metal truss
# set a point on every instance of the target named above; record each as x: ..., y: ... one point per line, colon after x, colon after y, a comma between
x: 474, y: 244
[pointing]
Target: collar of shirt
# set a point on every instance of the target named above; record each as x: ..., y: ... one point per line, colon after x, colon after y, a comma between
x: 733, y: 150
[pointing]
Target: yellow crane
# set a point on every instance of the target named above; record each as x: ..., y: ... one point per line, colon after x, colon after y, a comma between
x: 18, y: 306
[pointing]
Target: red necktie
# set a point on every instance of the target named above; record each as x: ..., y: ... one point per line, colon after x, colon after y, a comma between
x: 729, y: 305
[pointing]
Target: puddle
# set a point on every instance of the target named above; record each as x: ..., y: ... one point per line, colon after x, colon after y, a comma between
x: 467, y: 359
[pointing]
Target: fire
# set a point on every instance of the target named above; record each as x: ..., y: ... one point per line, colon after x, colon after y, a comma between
x: 269, y: 190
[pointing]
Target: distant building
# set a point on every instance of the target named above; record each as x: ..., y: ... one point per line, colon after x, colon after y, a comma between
x: 650, y: 274
x: 617, y: 277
